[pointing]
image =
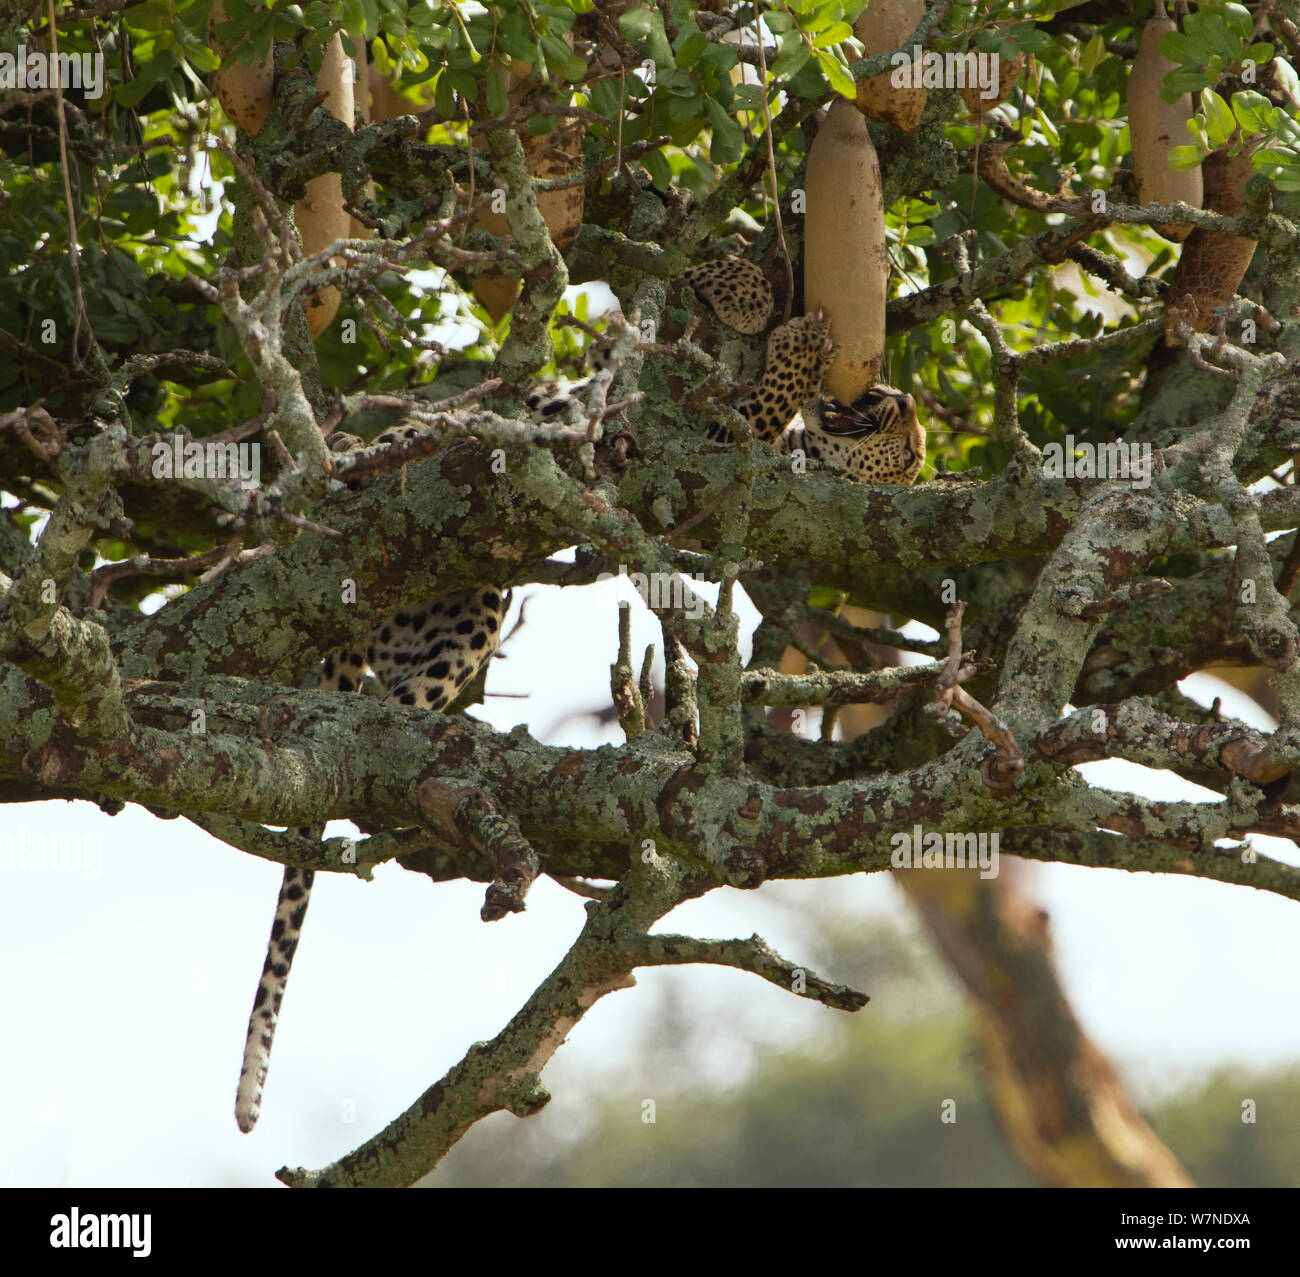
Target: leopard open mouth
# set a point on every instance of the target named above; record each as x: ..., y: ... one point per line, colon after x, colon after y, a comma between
x: 846, y: 419
x: 878, y: 408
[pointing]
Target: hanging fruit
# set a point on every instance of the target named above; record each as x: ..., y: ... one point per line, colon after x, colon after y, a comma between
x: 242, y: 88
x: 846, y: 271
x: 320, y: 215
x: 883, y: 28
x: 1155, y: 127
x: 1009, y: 70
x: 1211, y: 266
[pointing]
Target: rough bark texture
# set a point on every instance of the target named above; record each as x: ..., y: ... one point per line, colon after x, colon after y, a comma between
x: 1096, y: 594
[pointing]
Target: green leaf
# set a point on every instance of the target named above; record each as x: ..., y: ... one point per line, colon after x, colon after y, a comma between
x: 809, y: 83
x: 1239, y: 20
x: 153, y: 16
x: 203, y: 58
x: 1027, y: 38
x: 1252, y: 111
x: 834, y: 34
x: 413, y: 58
x: 1220, y: 123
x: 1092, y: 54
x: 496, y: 89
x: 148, y: 74
x: 719, y: 58
x: 791, y: 58
x: 834, y: 70
x: 1185, y: 157
x: 518, y: 45
x: 690, y: 49
x: 1271, y: 157
x: 1178, y: 82
x: 562, y: 60
x: 1287, y: 79
x: 728, y: 142
x: 637, y: 23
x: 1049, y: 129
x: 678, y: 84
x: 684, y: 110
x: 648, y: 24
x: 444, y: 96
x: 660, y: 174
x: 606, y: 98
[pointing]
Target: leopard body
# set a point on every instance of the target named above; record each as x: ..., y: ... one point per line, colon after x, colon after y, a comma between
x: 426, y: 654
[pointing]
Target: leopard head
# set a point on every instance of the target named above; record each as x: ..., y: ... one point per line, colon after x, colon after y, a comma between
x: 876, y: 439
x: 879, y: 408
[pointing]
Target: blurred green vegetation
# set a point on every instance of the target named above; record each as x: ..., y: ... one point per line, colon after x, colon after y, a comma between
x: 860, y: 1107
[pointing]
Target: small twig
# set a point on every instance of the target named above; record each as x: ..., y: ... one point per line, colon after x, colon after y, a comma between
x: 74, y: 249
x: 952, y: 624
x: 1074, y: 603
x: 103, y: 577
x: 281, y: 452
x: 1001, y: 770
x: 232, y: 556
x: 700, y: 515
x: 625, y: 693
x: 511, y: 121
x: 464, y: 815
x: 771, y: 170
x: 580, y: 887
x: 307, y: 525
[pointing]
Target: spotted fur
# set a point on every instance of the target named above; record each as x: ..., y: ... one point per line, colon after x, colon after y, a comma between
x: 736, y: 289
x: 422, y: 656
x: 877, y: 439
x: 290, y: 910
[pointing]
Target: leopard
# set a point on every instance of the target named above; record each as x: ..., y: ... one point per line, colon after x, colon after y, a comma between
x: 427, y: 654
x: 737, y: 291
x: 876, y: 439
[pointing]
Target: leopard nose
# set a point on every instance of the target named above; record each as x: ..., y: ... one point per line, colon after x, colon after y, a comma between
x: 905, y: 403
